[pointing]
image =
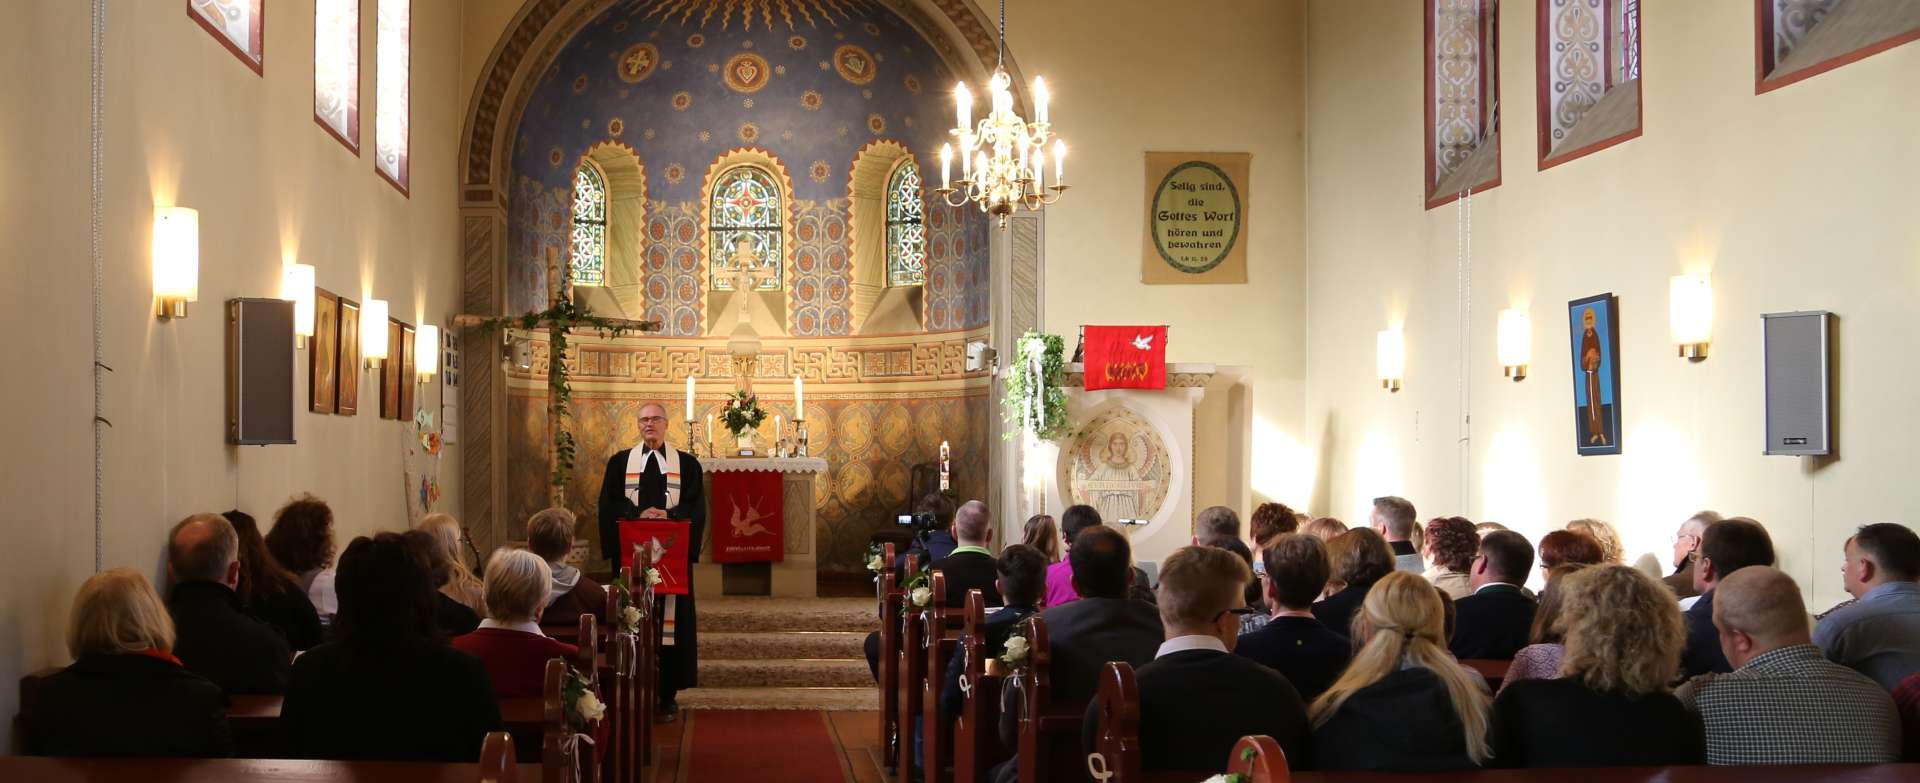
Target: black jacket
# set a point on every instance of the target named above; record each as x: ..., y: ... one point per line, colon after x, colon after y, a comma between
x: 219, y: 642
x: 1195, y: 704
x: 128, y: 705
x: 1492, y: 623
x: 1403, y: 723
x: 937, y: 545
x: 968, y: 571
x: 431, y: 703
x: 1084, y: 635
x: 1336, y: 612
x: 680, y: 663
x: 1563, y: 723
x: 1702, y: 653
x: 999, y: 625
x: 452, y: 617
x: 291, y: 613
x: 1302, y: 649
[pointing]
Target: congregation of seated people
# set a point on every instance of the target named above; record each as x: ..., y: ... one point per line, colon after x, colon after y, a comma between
x: 1398, y: 647
x: 392, y: 651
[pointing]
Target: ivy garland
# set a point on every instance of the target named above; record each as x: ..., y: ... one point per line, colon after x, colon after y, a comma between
x: 1035, y: 403
x: 559, y: 319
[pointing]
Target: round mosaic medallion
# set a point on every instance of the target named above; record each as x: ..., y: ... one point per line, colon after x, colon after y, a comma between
x: 796, y: 43
x: 682, y: 100
x: 638, y: 62
x: 896, y: 429
x: 685, y: 292
x: 657, y: 255
x: 856, y: 429
x: 749, y: 133
x: 854, y: 483
x: 657, y: 231
x: 686, y: 321
x: 616, y: 126
x: 746, y: 72
x: 1118, y: 464
x: 837, y: 321
x: 811, y: 100
x: 696, y: 41
x: 819, y: 171
x: 877, y: 124
x: 837, y: 290
x: 656, y: 288
x: 675, y: 173
x: 854, y: 64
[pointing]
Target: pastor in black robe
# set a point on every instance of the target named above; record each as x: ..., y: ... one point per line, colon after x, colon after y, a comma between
x: 680, y: 663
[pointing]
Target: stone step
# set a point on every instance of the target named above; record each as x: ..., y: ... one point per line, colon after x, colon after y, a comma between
x: 865, y: 699
x: 735, y: 614
x: 786, y: 673
x: 769, y: 645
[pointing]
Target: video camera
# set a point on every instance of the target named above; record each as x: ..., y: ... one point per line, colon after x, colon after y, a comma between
x: 922, y: 523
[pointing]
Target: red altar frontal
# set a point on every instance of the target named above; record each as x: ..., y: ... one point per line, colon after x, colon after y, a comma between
x: 761, y: 510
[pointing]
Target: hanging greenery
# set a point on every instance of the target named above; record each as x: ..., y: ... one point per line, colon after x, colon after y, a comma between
x: 559, y: 319
x: 1035, y: 402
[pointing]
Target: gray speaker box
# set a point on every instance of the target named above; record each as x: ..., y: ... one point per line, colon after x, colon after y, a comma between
x: 1799, y: 413
x: 259, y: 371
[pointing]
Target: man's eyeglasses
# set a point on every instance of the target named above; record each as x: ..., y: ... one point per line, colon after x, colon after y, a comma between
x: 653, y: 419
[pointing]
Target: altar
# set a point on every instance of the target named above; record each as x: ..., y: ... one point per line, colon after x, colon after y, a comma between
x: 793, y: 570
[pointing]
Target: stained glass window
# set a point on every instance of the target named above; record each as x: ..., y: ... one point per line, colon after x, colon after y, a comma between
x: 393, y: 50
x: 744, y: 226
x: 336, y: 69
x: 239, y: 24
x: 589, y: 263
x: 906, y: 231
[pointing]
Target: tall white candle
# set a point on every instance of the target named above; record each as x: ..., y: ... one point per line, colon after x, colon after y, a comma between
x: 1059, y: 162
x: 946, y: 166
x: 689, y: 398
x: 799, y: 399
x: 1040, y: 97
x: 962, y: 106
x: 709, y: 429
x: 777, y: 426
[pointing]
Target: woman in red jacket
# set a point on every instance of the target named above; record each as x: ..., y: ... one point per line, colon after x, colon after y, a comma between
x: 509, y: 643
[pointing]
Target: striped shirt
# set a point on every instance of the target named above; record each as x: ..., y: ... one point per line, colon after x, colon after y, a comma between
x: 1793, y: 706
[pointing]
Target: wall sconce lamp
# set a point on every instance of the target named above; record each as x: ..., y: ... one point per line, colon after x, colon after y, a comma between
x: 296, y: 286
x: 1690, y: 314
x: 373, y: 332
x: 1390, y: 357
x: 176, y: 260
x: 1515, y: 342
x: 426, y: 352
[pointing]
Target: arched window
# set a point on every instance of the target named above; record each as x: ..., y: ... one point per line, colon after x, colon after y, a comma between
x: 906, y: 231
x: 589, y: 264
x: 744, y: 226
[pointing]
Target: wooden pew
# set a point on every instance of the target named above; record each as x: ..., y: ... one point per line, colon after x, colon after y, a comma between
x: 913, y: 676
x: 1049, y: 732
x: 620, y: 760
x: 496, y: 766
x: 892, y: 602
x: 1116, y: 757
x: 647, y: 668
x: 939, y: 637
x: 558, y: 755
x: 496, y: 758
x: 976, y: 733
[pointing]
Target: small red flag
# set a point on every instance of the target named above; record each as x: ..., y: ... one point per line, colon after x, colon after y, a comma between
x: 1126, y: 357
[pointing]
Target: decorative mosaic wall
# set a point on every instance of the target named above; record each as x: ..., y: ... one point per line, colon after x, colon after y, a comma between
x: 1459, y: 81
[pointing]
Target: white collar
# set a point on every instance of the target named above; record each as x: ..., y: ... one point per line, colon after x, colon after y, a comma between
x: 1491, y: 584
x: 526, y: 627
x: 1190, y: 642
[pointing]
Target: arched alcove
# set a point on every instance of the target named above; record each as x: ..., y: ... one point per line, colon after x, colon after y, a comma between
x: 626, y: 213
x: 878, y: 308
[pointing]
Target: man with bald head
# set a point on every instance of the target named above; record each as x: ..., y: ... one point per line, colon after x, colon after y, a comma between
x: 1784, y: 702
x: 656, y: 481
x: 971, y: 566
x: 213, y: 637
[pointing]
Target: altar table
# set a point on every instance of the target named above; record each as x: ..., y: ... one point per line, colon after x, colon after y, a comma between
x: 796, y: 573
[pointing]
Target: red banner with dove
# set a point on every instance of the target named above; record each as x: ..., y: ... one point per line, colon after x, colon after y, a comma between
x: 666, y: 539
x: 1126, y: 357
x: 746, y: 510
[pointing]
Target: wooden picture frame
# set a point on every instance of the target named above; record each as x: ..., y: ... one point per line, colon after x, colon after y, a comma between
x: 349, y: 363
x: 323, y: 353
x: 390, y: 377
x: 409, y: 373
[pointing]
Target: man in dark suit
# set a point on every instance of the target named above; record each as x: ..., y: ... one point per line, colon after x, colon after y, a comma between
x: 1496, y: 620
x: 1725, y: 547
x: 969, y: 567
x: 215, y: 639
x: 655, y: 481
x: 1022, y: 574
x: 1686, y: 544
x: 1197, y: 699
x: 1294, y: 643
x: 935, y: 545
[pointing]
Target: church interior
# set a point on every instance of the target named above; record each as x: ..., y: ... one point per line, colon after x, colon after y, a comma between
x: 716, y: 259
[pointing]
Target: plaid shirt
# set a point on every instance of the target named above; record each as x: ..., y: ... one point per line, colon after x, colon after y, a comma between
x: 1793, y: 706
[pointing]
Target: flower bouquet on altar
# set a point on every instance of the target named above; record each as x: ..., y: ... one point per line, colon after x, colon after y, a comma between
x: 743, y: 416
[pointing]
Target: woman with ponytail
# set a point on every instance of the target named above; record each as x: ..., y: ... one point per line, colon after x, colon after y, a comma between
x: 1404, y: 704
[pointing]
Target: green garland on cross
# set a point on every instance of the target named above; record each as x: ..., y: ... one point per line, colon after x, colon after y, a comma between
x: 1035, y: 402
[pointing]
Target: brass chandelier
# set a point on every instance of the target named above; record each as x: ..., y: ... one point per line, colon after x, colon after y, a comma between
x: 1002, y: 158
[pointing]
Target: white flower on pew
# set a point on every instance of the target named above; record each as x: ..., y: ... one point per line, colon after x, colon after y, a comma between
x: 877, y: 564
x: 653, y: 577
x: 1016, y: 651
x: 631, y: 617
x: 590, y: 707
x: 922, y: 596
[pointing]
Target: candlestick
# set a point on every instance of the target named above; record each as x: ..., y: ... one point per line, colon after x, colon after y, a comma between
x: 800, y: 437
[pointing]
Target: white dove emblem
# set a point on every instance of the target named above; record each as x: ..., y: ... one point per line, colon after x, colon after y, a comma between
x: 1143, y: 342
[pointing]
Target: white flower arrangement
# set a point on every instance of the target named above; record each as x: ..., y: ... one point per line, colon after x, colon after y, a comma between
x: 589, y: 706
x: 921, y: 596
x: 631, y: 617
x: 1016, y: 652
x: 876, y: 564
x: 653, y: 577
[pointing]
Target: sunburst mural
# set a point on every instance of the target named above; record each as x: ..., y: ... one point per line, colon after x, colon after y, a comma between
x: 792, y: 13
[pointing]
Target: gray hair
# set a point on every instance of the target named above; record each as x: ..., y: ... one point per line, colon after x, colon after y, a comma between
x: 207, y: 555
x: 516, y: 585
x: 1217, y: 525
x: 972, y: 522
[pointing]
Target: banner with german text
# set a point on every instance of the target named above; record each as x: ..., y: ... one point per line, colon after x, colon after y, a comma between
x: 1126, y: 357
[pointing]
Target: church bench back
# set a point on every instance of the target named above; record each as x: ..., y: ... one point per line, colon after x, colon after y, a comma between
x: 938, y: 643
x: 976, y: 738
x: 913, y: 674
x: 891, y: 607
x: 1049, y: 747
x: 1117, y: 752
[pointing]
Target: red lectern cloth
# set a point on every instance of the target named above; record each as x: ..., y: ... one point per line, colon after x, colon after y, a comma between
x: 668, y: 541
x: 748, y: 516
x: 1126, y: 357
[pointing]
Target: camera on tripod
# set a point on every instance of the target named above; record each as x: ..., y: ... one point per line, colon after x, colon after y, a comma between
x: 920, y: 524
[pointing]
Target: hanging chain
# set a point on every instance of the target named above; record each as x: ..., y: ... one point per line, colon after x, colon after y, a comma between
x: 1003, y: 33
x: 96, y: 110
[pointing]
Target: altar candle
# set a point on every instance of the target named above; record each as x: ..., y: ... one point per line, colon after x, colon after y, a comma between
x: 709, y: 429
x: 799, y: 399
x: 689, y: 398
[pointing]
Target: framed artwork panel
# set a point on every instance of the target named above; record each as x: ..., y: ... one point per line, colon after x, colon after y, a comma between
x: 1593, y: 327
x: 349, y: 358
x: 390, y: 374
x: 323, y: 354
x: 408, y: 371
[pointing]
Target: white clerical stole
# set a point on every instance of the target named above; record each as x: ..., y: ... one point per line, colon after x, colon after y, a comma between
x: 637, y: 464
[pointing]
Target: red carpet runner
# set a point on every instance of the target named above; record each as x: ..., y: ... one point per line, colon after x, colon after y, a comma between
x: 792, y: 746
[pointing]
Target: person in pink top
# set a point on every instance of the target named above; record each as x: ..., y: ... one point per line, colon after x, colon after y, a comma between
x: 1060, y: 575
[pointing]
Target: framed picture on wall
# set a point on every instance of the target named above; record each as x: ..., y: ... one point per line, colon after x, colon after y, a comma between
x: 408, y: 371
x: 390, y: 377
x: 323, y: 355
x: 349, y: 362
x: 1593, y: 326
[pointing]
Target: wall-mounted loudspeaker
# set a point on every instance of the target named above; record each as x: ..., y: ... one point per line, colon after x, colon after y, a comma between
x: 259, y: 371
x: 1798, y: 400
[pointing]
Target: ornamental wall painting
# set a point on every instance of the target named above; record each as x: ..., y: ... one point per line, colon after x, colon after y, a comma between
x: 237, y: 24
x: 1117, y: 463
x: 1588, y: 74
x: 1462, y: 93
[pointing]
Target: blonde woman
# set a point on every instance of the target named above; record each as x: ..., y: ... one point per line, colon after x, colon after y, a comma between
x: 1612, y: 552
x: 1610, y: 706
x: 1043, y: 534
x: 125, y: 694
x: 461, y: 584
x: 1404, y: 704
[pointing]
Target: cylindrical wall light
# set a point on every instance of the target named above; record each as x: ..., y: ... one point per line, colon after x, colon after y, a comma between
x: 176, y: 260
x: 373, y: 331
x: 296, y: 286
x: 1390, y: 357
x: 1690, y: 314
x: 1515, y: 343
x: 426, y: 352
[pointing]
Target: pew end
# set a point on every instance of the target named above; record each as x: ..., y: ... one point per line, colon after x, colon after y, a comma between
x: 497, y: 758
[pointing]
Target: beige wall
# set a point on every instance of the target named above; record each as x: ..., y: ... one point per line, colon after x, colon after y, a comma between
x: 187, y: 123
x: 1129, y: 76
x: 1802, y: 198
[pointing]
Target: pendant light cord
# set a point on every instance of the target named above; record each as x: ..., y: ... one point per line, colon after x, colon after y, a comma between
x: 1003, y: 34
x: 96, y: 113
